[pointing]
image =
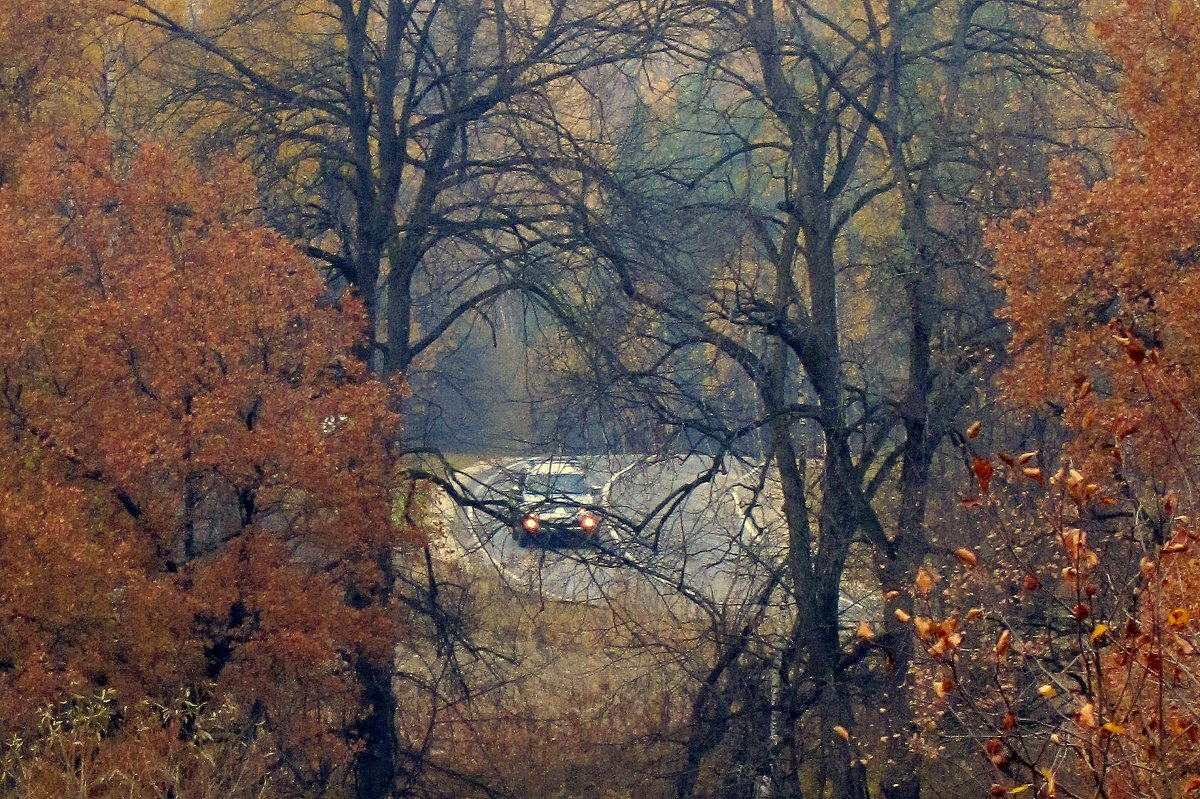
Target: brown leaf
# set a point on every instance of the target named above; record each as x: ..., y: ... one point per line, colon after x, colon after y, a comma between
x: 982, y: 467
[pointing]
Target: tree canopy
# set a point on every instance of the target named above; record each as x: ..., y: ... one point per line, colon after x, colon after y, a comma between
x: 197, y: 482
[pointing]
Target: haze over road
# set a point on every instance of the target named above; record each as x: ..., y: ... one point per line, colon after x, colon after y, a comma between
x: 673, y: 521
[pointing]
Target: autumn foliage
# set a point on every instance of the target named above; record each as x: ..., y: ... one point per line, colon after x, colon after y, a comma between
x: 1100, y: 696
x: 1102, y: 282
x: 196, y: 495
x: 42, y: 50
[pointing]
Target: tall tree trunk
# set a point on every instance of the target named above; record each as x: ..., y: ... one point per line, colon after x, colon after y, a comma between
x: 375, y: 762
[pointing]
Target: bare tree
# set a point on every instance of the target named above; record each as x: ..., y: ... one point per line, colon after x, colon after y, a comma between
x: 732, y: 240
x: 394, y: 137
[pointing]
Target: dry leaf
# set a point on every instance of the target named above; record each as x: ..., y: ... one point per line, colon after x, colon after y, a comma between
x: 982, y: 467
x: 924, y: 582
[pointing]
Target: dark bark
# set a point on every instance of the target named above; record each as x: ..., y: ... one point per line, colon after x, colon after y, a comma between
x: 375, y: 765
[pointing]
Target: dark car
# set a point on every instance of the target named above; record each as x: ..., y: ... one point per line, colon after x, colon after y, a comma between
x: 555, y: 502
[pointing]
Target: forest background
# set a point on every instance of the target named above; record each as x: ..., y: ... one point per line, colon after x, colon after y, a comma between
x: 276, y: 271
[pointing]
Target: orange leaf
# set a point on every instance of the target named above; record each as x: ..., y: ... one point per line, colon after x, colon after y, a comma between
x: 922, y: 626
x: 924, y: 581
x: 1178, y: 543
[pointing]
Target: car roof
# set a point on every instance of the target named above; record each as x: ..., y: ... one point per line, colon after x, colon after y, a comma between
x: 555, y: 467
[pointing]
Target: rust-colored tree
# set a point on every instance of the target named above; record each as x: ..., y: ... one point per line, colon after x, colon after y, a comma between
x: 1090, y: 683
x: 1102, y: 280
x: 42, y: 49
x: 197, y: 490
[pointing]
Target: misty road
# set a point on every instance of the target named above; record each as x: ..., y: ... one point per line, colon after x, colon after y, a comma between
x: 672, y: 524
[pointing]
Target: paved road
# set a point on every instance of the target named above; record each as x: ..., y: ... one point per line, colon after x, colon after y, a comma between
x: 674, y: 525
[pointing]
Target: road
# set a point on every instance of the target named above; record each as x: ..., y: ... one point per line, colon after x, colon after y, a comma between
x: 674, y: 527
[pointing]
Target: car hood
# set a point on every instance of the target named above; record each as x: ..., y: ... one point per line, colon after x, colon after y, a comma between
x: 556, y: 509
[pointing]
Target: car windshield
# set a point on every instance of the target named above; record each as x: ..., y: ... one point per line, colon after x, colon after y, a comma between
x: 561, y: 484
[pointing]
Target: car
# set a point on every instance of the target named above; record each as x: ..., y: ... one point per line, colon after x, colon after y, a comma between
x: 555, y: 503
